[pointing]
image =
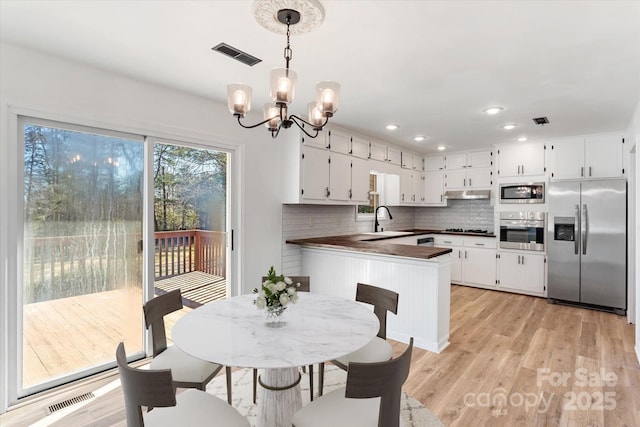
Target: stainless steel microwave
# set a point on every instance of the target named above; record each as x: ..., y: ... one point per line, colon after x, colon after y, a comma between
x: 522, y: 193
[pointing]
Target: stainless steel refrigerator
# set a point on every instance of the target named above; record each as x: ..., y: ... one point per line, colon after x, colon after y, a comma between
x: 587, y: 243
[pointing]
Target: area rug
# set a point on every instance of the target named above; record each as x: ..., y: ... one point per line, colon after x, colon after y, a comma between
x: 413, y: 412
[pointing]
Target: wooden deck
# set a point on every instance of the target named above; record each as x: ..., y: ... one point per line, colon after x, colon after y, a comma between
x: 72, y: 334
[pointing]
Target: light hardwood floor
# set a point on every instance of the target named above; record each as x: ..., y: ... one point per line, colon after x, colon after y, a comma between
x: 514, y: 360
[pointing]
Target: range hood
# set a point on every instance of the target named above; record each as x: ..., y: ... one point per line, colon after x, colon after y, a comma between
x: 467, y: 194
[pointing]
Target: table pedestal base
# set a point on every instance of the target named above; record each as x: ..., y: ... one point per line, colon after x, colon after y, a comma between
x: 279, y: 397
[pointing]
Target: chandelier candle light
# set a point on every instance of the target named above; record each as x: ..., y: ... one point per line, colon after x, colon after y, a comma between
x: 282, y: 90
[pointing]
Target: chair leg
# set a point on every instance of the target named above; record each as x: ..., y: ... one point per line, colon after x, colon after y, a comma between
x: 311, y: 382
x: 228, y: 373
x: 255, y: 385
x: 320, y: 378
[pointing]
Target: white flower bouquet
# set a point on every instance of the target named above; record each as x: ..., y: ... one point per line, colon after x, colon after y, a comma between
x: 276, y: 293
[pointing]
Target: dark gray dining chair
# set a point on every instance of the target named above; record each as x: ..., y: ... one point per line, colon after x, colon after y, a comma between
x: 371, y: 398
x: 378, y: 349
x: 156, y: 389
x: 304, y: 287
x: 187, y: 371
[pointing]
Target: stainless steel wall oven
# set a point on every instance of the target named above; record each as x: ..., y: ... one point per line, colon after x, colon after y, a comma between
x: 522, y: 230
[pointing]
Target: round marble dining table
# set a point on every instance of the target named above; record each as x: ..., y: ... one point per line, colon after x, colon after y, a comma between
x: 232, y: 332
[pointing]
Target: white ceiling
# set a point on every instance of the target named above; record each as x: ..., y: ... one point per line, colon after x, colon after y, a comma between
x: 429, y: 66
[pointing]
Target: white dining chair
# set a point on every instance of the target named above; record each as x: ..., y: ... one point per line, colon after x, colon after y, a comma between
x: 187, y: 371
x: 378, y: 349
x: 371, y: 398
x: 156, y: 389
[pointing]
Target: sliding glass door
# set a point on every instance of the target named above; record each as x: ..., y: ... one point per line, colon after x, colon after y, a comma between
x: 108, y: 220
x: 82, y: 265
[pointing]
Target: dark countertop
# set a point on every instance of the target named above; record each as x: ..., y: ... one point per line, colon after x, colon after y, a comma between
x: 376, y: 244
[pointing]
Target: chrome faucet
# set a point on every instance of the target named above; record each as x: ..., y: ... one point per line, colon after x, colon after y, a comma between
x: 376, y: 223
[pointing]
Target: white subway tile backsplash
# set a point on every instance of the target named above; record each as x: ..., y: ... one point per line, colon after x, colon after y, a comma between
x: 303, y: 221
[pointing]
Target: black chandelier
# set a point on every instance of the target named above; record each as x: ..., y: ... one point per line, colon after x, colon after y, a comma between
x: 282, y: 89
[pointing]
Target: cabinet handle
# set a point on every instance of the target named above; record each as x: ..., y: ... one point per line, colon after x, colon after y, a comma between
x: 589, y: 170
x: 441, y: 198
x: 522, y: 169
x: 327, y: 191
x: 403, y: 197
x: 581, y: 171
x: 446, y: 241
x: 465, y: 254
x: 479, y: 244
x: 469, y: 182
x: 518, y: 259
x: 464, y: 182
x: 459, y: 255
x: 522, y: 259
x: 518, y: 169
x: 350, y: 194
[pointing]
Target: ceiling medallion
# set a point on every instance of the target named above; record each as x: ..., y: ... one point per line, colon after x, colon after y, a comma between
x: 311, y: 15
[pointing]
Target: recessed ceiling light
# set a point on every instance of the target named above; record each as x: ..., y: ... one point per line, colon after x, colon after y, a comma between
x: 392, y: 127
x: 418, y: 138
x: 493, y: 110
x: 441, y: 147
x: 522, y: 139
x: 509, y: 126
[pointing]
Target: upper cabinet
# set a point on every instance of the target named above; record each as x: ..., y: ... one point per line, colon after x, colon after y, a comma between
x: 469, y: 170
x: 471, y: 159
x: 587, y: 157
x: 394, y: 156
x: 411, y: 161
x: 435, y: 163
x: 359, y: 148
x: 378, y: 152
x: 434, y: 189
x: 521, y: 159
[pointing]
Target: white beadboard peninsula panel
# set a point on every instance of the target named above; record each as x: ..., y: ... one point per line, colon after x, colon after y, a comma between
x: 423, y: 287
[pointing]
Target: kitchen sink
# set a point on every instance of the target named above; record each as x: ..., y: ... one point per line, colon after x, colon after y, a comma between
x: 389, y: 233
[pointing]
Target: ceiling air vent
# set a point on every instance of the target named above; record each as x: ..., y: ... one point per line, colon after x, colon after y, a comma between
x: 236, y: 54
x: 540, y: 120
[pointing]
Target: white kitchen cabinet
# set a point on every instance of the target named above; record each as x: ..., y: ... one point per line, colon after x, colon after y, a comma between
x: 456, y: 243
x: 434, y: 163
x: 522, y: 272
x: 315, y: 174
x: 473, y: 259
x: 469, y: 159
x: 434, y: 189
x: 467, y: 179
x: 411, y: 161
x: 394, y: 156
x: 339, y: 142
x: 340, y: 177
x: 411, y: 187
x: 359, y: 148
x: 521, y: 159
x: 455, y: 161
x: 320, y: 141
x: 480, y: 159
x: 586, y: 157
x: 333, y: 177
x: 360, y: 171
x: 378, y: 152
x: 479, y: 267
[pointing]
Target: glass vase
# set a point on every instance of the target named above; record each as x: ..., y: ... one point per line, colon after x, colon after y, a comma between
x: 274, y: 317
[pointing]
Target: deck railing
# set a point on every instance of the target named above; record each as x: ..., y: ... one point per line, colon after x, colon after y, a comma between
x: 74, y: 265
x: 179, y: 252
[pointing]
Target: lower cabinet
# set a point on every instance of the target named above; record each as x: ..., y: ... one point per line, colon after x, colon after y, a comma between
x: 522, y: 272
x: 473, y: 259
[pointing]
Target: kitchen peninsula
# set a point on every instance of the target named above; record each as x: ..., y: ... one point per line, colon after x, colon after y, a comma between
x: 421, y: 276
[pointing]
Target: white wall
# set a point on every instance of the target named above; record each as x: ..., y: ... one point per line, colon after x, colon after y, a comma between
x: 36, y: 84
x: 633, y: 145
